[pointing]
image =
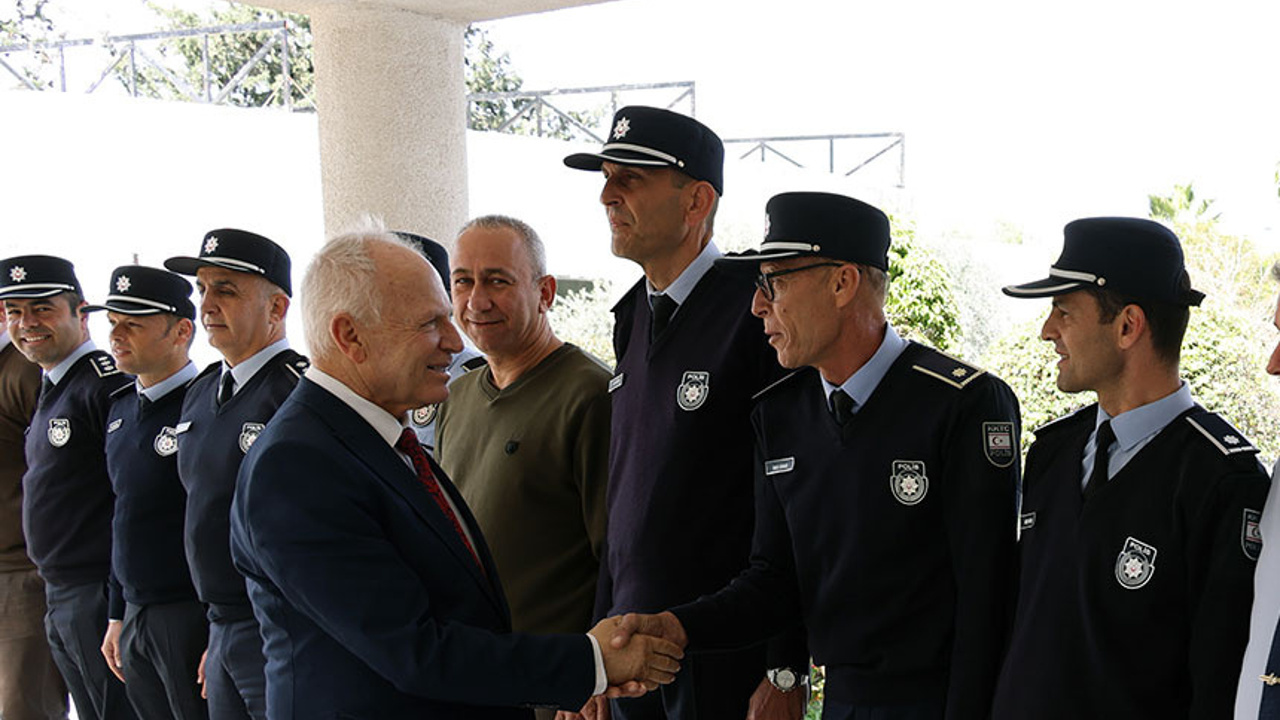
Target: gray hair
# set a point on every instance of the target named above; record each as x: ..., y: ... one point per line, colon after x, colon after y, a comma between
x: 342, y: 277
x: 533, y: 246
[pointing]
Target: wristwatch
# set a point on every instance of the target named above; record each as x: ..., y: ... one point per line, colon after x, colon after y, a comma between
x: 785, y: 679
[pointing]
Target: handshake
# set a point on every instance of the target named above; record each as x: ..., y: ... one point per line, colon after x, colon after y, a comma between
x: 640, y: 652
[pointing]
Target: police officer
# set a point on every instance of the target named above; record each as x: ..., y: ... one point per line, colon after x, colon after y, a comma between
x: 157, y: 628
x: 885, y: 481
x: 423, y: 419
x: 67, y: 500
x: 244, y: 285
x: 1139, y: 526
x: 690, y: 357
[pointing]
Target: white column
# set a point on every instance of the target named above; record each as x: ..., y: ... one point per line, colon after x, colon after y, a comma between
x: 392, y: 106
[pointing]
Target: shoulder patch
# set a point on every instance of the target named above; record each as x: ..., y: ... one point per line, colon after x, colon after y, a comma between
x: 1060, y: 421
x: 1220, y: 433
x: 777, y: 383
x: 104, y: 365
x: 475, y: 363
x: 950, y: 370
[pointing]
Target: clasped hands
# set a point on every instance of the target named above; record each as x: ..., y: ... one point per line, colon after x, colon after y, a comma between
x: 640, y: 652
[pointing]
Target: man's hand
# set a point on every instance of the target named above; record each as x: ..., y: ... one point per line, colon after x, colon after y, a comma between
x: 200, y: 675
x: 111, y: 648
x: 639, y: 663
x: 664, y: 625
x: 770, y: 703
x: 597, y: 708
x: 566, y: 715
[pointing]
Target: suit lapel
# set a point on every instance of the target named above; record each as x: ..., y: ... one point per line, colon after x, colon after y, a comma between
x: 352, y: 431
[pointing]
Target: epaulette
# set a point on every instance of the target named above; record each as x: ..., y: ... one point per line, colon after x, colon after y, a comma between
x: 952, y: 371
x: 122, y: 390
x: 778, y: 383
x: 1220, y: 432
x: 104, y: 365
x: 1062, y: 420
x: 475, y: 363
x: 297, y: 364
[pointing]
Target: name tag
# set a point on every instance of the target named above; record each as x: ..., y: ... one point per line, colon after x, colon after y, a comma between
x: 115, y: 425
x: 616, y: 381
x: 182, y: 427
x: 779, y: 466
x: 1026, y: 521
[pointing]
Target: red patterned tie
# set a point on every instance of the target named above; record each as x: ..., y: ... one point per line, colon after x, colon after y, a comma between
x: 408, y: 444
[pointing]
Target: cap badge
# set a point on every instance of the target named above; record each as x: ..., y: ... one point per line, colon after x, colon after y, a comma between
x: 122, y: 283
x: 17, y: 273
x: 621, y: 129
x: 211, y: 244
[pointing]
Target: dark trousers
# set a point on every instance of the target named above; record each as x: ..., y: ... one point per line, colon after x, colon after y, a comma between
x: 160, y: 646
x: 31, y: 687
x: 712, y: 686
x: 832, y: 710
x: 75, y: 622
x: 235, y: 674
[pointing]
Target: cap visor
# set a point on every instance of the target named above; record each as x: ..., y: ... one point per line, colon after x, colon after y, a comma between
x: 19, y: 293
x: 593, y: 161
x: 189, y: 266
x: 1047, y: 287
x: 748, y: 262
x: 124, y: 308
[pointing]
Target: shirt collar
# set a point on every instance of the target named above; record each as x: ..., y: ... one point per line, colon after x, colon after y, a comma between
x: 60, y: 370
x: 167, y: 385
x: 689, y: 277
x: 245, y: 371
x: 4, y: 338
x: 862, y: 383
x: 1140, y: 423
x: 384, y: 423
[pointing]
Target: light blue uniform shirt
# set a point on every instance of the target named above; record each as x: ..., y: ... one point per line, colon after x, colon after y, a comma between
x: 680, y: 289
x: 1134, y: 429
x: 167, y: 385
x: 245, y: 371
x: 862, y: 383
x: 60, y: 370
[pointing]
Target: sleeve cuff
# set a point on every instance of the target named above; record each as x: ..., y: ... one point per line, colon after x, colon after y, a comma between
x: 602, y: 680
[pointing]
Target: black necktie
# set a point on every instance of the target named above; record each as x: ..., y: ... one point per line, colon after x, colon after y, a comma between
x: 46, y: 386
x: 663, y: 308
x: 1102, y: 442
x: 841, y: 406
x: 225, y: 390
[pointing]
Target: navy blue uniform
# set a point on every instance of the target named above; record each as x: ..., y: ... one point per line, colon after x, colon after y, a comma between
x: 1135, y: 604
x: 212, y: 441
x: 66, y: 512
x: 892, y: 536
x: 164, y: 631
x: 679, y: 501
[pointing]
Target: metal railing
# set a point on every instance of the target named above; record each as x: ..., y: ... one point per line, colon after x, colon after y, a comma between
x: 535, y: 104
x: 768, y: 146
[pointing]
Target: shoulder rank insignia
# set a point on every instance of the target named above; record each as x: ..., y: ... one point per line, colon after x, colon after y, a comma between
x: 104, y: 365
x: 298, y: 366
x: 474, y: 363
x: 1219, y: 432
x: 776, y: 383
x: 941, y: 366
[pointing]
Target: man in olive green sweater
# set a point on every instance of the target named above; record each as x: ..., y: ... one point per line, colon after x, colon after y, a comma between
x: 526, y: 438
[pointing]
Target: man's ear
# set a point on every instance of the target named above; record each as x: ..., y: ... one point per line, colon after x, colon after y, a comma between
x: 1130, y: 326
x: 546, y: 292
x: 346, y: 335
x: 845, y: 283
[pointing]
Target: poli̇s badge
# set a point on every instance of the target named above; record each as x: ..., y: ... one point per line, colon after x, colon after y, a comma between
x: 997, y: 443
x: 693, y: 390
x: 424, y: 416
x: 909, y: 482
x: 1251, y: 534
x: 249, y: 434
x: 59, y: 431
x: 1136, y: 564
x: 166, y: 443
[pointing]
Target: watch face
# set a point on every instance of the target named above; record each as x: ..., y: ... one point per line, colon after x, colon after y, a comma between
x: 785, y: 679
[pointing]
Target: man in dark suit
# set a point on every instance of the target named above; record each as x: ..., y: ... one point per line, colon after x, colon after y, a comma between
x: 374, y: 587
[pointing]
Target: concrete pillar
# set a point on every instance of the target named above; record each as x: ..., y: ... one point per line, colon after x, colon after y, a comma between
x: 392, y: 106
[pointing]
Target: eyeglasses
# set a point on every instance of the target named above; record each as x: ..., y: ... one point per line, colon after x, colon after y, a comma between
x: 764, y: 281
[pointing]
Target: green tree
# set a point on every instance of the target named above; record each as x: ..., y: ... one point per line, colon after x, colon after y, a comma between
x: 920, y: 303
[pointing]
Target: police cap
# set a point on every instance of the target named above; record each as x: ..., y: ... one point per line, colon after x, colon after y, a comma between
x: 138, y: 290
x: 818, y: 224
x: 433, y: 251
x: 241, y: 251
x: 37, y: 276
x: 654, y: 137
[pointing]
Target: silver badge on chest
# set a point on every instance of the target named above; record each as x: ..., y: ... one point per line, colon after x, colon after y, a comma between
x: 59, y: 431
x: 424, y: 416
x: 694, y: 389
x: 1136, y: 564
x: 166, y: 443
x: 249, y: 434
x: 909, y: 481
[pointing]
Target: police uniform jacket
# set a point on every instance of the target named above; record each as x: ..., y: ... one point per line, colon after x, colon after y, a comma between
x: 1134, y: 604
x: 892, y: 536
x: 67, y: 498
x: 147, y: 561
x: 212, y: 441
